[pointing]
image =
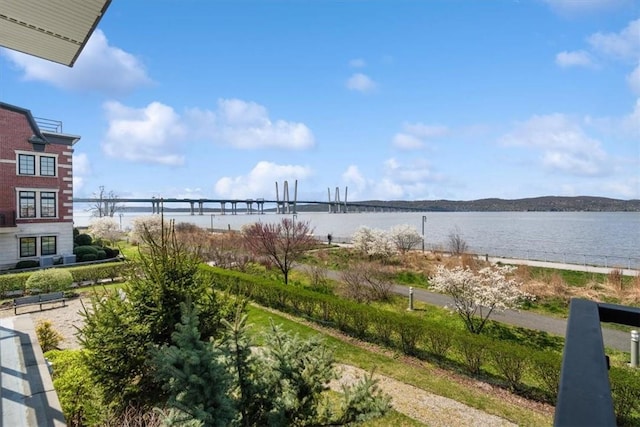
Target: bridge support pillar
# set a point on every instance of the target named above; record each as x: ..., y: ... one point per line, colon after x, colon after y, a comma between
x: 192, y: 208
x: 223, y: 208
x: 234, y: 208
x: 200, y: 207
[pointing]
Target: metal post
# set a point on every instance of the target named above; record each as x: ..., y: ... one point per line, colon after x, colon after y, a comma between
x: 635, y: 344
x: 424, y: 219
x: 410, y: 298
x: 120, y: 214
x: 211, y: 222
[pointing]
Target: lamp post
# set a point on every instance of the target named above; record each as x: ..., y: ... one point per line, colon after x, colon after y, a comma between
x: 424, y: 220
x: 120, y: 214
x: 212, y: 215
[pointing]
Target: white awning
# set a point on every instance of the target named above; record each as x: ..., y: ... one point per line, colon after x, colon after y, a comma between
x: 56, y: 30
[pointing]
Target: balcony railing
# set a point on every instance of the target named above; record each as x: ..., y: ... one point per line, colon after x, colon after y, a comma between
x: 584, y: 396
x: 49, y: 125
x: 7, y: 218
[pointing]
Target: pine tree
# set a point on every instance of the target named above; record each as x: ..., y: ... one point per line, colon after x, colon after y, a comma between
x: 194, y: 375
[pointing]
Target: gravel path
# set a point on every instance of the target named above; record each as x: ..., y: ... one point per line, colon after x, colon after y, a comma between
x: 428, y: 408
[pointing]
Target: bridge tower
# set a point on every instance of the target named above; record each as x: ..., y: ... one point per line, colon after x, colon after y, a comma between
x: 285, y: 206
x: 337, y: 206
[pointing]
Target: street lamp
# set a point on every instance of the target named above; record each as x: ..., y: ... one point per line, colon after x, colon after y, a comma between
x: 212, y: 215
x: 120, y: 214
x: 424, y: 220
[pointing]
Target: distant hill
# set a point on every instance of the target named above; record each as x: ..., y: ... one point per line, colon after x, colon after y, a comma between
x: 534, y: 204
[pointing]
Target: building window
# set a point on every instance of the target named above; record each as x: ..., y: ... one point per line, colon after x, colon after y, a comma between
x: 48, y: 245
x: 28, y: 204
x: 27, y: 246
x: 47, y: 204
x: 47, y: 166
x: 26, y: 164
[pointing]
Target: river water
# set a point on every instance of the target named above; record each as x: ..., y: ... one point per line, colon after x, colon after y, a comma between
x: 592, y: 238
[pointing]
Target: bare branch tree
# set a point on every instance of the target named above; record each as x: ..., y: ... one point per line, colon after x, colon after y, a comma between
x: 282, y: 243
x: 457, y: 244
x: 106, y: 203
x: 365, y: 282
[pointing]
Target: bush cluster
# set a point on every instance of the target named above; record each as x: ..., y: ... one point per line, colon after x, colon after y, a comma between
x: 93, y: 252
x: 87, y: 273
x: 415, y: 336
x: 27, y: 263
x: 49, y: 280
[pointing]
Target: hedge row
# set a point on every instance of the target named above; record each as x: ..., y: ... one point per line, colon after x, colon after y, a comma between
x: 417, y: 336
x: 86, y: 273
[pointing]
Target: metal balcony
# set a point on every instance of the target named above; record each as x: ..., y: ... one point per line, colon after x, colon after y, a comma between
x: 584, y: 396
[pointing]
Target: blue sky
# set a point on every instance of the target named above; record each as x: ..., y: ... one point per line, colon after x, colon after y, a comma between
x: 396, y: 100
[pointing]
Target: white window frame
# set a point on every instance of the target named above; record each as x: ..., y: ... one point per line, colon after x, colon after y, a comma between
x: 37, y: 166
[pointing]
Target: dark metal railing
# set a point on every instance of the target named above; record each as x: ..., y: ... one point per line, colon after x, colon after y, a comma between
x: 49, y: 125
x: 584, y: 396
x: 7, y: 218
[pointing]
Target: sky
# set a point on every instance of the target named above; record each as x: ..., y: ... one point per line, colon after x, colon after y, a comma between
x: 388, y: 99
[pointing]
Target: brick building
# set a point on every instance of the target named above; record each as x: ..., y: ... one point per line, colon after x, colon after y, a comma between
x: 36, y: 188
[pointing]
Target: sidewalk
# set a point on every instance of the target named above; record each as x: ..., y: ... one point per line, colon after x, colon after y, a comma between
x: 27, y: 396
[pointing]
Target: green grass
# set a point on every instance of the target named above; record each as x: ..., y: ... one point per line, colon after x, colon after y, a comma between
x: 426, y: 377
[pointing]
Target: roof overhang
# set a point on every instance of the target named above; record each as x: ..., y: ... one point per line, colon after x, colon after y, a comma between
x: 56, y: 30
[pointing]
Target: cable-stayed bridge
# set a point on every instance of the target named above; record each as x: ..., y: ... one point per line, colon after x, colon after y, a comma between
x: 279, y: 205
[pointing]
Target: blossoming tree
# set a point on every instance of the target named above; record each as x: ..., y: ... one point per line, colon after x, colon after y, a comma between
x: 478, y: 294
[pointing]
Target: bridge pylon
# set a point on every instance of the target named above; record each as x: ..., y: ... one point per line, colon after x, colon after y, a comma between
x: 336, y: 205
x: 285, y: 206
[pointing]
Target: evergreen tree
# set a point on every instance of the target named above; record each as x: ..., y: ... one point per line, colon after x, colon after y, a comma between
x: 194, y: 375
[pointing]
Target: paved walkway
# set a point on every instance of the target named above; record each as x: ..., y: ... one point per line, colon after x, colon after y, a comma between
x: 28, y: 398
x: 615, y: 339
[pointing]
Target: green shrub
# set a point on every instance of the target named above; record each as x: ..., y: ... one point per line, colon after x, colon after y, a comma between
x: 101, y: 254
x: 625, y: 390
x: 473, y: 350
x: 111, y: 252
x: 49, y: 280
x: 27, y: 263
x: 82, y: 251
x: 13, y: 282
x: 48, y: 338
x: 79, y: 395
x: 90, y: 257
x: 438, y: 340
x: 546, y: 367
x: 83, y: 239
x: 511, y: 361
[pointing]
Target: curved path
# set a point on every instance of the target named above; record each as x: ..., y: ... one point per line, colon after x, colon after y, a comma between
x: 618, y: 340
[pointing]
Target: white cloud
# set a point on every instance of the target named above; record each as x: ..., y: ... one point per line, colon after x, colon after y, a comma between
x: 578, y: 58
x: 622, y: 45
x: 564, y: 145
x: 413, y: 135
x: 353, y: 176
x: 152, y: 134
x: 397, y: 180
x: 81, y: 168
x: 100, y: 68
x: 260, y: 180
x: 633, y: 79
x: 357, y: 63
x: 156, y: 133
x: 361, y: 83
x: 246, y: 125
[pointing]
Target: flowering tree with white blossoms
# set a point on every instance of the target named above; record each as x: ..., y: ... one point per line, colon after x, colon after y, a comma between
x: 373, y: 242
x: 105, y: 228
x: 478, y: 294
x: 405, y: 237
x: 145, y: 225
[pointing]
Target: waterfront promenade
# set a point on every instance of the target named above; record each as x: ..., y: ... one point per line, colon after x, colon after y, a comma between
x: 615, y: 339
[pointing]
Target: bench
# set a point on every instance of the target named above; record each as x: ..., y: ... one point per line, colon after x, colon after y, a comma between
x: 39, y: 300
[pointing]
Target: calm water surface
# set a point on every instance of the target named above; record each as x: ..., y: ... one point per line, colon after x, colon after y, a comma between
x: 599, y: 238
